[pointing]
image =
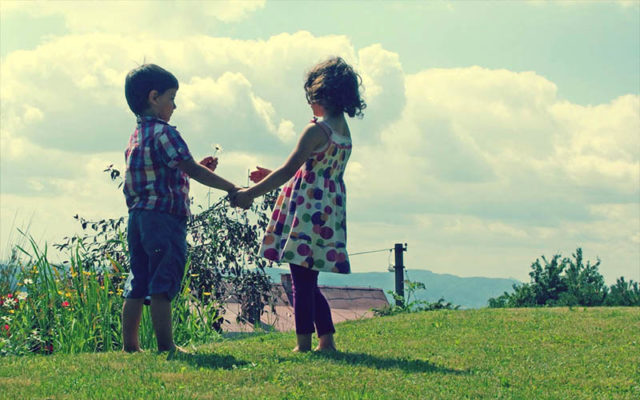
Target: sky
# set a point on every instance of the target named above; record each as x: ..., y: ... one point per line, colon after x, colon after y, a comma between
x: 496, y: 132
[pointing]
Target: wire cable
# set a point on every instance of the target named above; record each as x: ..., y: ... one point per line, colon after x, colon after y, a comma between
x: 367, y: 252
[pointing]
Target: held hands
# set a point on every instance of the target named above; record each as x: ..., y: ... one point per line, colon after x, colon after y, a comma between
x: 238, y: 197
x: 241, y: 198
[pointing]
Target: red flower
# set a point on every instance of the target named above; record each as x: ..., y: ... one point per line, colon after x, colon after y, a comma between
x: 6, y: 327
x: 65, y: 304
x: 259, y: 174
x: 9, y: 296
x: 47, y: 348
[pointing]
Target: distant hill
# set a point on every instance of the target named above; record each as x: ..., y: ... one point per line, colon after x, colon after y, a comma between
x: 466, y: 292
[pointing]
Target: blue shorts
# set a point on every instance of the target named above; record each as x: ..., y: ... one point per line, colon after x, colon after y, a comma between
x: 157, y: 253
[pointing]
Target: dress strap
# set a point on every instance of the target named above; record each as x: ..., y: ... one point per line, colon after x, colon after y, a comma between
x: 326, y: 130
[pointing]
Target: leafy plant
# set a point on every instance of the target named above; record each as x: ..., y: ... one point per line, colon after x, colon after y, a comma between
x: 623, y: 293
x: 75, y: 306
x: 568, y: 282
x: 222, y: 244
x: 412, y: 304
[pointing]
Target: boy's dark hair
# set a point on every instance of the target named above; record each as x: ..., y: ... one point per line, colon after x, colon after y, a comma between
x: 336, y: 86
x: 142, y: 80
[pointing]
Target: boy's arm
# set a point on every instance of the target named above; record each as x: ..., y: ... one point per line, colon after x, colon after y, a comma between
x: 203, y: 175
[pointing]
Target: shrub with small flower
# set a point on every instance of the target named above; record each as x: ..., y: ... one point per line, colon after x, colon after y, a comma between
x: 75, y: 306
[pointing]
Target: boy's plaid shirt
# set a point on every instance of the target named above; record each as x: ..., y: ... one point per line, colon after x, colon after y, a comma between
x: 152, y: 180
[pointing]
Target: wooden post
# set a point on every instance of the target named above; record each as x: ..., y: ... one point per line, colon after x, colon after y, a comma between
x: 399, y: 267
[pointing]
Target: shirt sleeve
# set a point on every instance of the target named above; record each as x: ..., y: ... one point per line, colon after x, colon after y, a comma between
x: 172, y: 147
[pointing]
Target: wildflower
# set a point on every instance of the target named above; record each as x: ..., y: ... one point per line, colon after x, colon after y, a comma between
x: 65, y: 304
x: 28, y: 281
x: 60, y: 292
x: 10, y: 301
x: 195, y: 275
x: 206, y: 293
x: 22, y: 295
x: 6, y: 327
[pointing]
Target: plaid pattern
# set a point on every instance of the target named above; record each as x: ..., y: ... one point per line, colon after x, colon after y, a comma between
x: 151, y: 180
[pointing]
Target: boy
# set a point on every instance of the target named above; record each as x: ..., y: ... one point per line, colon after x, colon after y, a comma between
x: 158, y: 167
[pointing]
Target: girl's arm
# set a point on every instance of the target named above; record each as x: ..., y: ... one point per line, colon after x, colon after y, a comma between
x: 313, y: 138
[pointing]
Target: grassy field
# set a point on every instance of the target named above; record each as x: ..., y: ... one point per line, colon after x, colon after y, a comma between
x: 489, y: 353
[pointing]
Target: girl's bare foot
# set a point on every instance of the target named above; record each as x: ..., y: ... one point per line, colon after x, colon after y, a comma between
x: 304, y: 343
x: 326, y: 343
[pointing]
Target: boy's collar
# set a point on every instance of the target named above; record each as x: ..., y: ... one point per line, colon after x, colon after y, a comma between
x: 147, y: 118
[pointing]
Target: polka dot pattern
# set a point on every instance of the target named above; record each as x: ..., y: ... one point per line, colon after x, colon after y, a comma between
x: 308, y: 224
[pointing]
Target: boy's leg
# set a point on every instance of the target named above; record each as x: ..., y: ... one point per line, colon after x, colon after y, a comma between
x: 164, y: 238
x: 161, y: 318
x: 303, y: 284
x: 135, y: 287
x: 131, y: 315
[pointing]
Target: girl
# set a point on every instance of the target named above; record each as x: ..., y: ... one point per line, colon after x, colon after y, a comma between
x: 308, y: 226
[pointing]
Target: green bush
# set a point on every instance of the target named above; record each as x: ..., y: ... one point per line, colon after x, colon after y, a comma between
x: 568, y: 282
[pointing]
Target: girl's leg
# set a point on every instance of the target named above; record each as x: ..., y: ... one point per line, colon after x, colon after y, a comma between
x: 311, y: 308
x: 304, y: 283
x: 324, y: 322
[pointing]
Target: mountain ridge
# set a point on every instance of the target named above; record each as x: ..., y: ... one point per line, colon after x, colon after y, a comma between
x: 467, y: 292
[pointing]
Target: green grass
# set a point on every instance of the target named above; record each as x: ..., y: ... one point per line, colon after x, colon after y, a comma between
x: 469, y: 354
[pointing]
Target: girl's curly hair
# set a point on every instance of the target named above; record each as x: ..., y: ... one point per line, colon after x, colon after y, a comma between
x: 336, y: 86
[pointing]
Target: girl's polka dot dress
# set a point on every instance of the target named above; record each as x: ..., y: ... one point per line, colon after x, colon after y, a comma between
x: 309, y: 223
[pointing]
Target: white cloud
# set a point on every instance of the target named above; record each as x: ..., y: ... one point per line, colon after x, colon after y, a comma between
x: 491, y: 160
x: 479, y: 170
x: 137, y: 16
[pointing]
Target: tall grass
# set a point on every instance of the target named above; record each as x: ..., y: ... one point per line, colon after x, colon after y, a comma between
x: 76, y: 307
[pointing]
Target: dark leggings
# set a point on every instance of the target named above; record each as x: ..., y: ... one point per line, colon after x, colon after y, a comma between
x: 309, y: 305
